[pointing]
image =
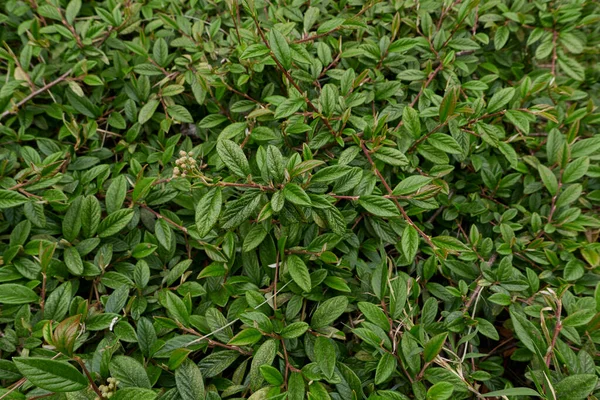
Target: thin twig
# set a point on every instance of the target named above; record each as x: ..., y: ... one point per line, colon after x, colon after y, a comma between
x: 41, y: 90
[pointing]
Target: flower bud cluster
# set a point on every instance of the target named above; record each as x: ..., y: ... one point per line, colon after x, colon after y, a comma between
x: 185, y: 164
x: 109, y: 389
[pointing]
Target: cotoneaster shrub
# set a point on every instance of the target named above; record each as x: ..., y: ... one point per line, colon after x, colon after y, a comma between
x: 321, y: 199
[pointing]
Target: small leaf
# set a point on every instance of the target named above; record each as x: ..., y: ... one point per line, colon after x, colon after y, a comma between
x: 9, y: 198
x: 440, y: 391
x: 114, y: 222
x: 325, y: 356
x: 385, y: 368
x: 379, y: 206
x: 180, y: 113
x: 51, y: 375
x: 328, y: 311
x: 246, y: 337
x: 288, y: 107
x: 299, y: 272
x: 188, y: 380
x: 501, y: 98
x: 233, y: 156
x: 391, y: 156
x: 411, y: 121
x: 434, y: 346
x: 410, y: 242
x: 263, y: 356
x: 518, y: 391
x: 294, y: 330
x: 448, y: 105
x: 296, y: 195
x: 576, y: 387
x: 208, y: 210
x: 411, y: 184
x: 501, y: 37
x: 280, y: 48
x: 549, y: 179
x: 129, y: 372
x: 147, y: 111
x: 271, y: 375
x: 11, y: 293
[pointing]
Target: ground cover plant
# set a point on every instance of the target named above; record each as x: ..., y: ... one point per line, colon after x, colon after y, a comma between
x: 294, y: 199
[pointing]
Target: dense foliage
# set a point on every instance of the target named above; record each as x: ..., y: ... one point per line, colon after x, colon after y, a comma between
x: 347, y: 199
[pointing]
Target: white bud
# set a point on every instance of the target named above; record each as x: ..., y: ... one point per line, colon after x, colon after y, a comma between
x: 182, y: 153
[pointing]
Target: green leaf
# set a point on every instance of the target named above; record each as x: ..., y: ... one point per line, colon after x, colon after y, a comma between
x: 208, y: 210
x: 82, y: 105
x: 385, y: 368
x: 246, y: 337
x: 188, y: 380
x: 254, y: 238
x: 434, y: 346
x: 11, y: 293
x: 518, y: 119
x: 571, y: 67
x: 501, y: 37
x: 176, y: 308
x: 288, y: 107
x: 73, y: 261
x: 9, y: 198
x: 294, y: 330
x: 518, y: 391
x: 440, y: 391
x: 131, y: 393
x: 579, y: 318
x: 163, y: 233
x: 116, y: 194
x: 444, y: 143
x: 212, y: 121
x: 449, y: 243
x: 129, y: 372
x: 180, y: 113
x: 501, y: 98
x: 411, y: 121
x: 549, y: 179
x: 576, y: 387
x: 325, y: 356
x: 90, y: 216
x: 391, y: 156
x: 271, y: 375
x: 411, y: 184
x: 161, y: 52
x: 147, y: 111
x: 296, y: 387
x: 114, y: 222
x: 379, y: 206
x: 299, y: 272
x: 280, y: 48
x: 51, y: 375
x: 263, y: 356
x: 410, y: 242
x: 448, y: 104
x: 295, y: 194
x: 328, y: 311
x: 254, y: 50
x: 375, y: 315
x: 233, y: 156
x: 509, y: 152
x: 72, y: 10
x: 330, y: 174
x: 527, y: 332
x: 576, y: 169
